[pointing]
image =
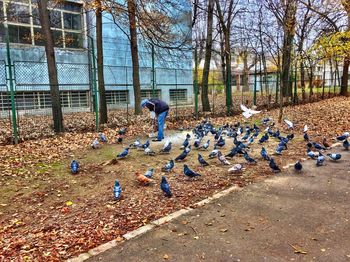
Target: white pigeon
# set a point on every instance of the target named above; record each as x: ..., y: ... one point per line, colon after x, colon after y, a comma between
x: 305, y: 128
x: 149, y: 152
x: 95, y: 144
x: 289, y: 123
x: 247, y: 112
x: 236, y: 168
x: 223, y: 159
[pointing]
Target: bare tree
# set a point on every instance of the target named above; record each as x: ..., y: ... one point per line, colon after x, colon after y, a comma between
x: 207, y: 58
x: 285, y: 13
x: 134, y: 55
x: 100, y: 72
x: 51, y: 65
x: 226, y: 25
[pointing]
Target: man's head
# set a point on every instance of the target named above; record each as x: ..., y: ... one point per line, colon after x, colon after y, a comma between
x: 143, y: 103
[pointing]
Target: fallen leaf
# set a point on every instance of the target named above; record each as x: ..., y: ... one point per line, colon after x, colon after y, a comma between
x: 298, y: 250
x: 196, y: 237
x: 119, y: 239
x: 69, y: 203
x: 323, y: 249
x: 223, y: 230
x: 165, y: 256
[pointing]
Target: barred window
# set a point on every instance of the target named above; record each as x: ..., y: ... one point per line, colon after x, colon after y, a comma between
x: 117, y: 97
x: 4, y: 101
x: 42, y: 99
x: 66, y: 19
x: 147, y: 93
x: 178, y: 95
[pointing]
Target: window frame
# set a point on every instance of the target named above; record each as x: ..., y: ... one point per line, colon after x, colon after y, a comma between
x: 174, y: 92
x: 61, y: 11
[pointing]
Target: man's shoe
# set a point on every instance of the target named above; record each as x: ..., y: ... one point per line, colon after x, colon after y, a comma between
x: 157, y: 140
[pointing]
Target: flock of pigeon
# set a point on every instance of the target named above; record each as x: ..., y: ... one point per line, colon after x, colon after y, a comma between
x: 243, y: 138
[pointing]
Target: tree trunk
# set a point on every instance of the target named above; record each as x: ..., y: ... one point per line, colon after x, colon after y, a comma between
x: 208, y: 47
x: 51, y: 66
x: 222, y: 56
x: 311, y: 81
x: 228, y: 86
x: 134, y: 55
x: 101, y: 81
x: 331, y: 68
x: 302, y: 80
x: 196, y: 84
x: 245, y: 72
x: 345, y: 77
x: 260, y: 78
x: 289, y: 31
x: 323, y: 78
x: 338, y: 82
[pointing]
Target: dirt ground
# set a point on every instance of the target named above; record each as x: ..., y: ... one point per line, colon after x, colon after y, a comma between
x: 289, y: 217
x: 37, y: 209
x: 47, y: 214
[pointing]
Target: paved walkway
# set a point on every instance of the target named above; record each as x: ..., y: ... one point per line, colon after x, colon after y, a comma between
x: 267, y: 221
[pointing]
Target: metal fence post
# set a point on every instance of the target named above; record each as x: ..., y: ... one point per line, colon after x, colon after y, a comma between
x: 229, y: 90
x: 295, y: 85
x: 255, y: 84
x: 195, y: 87
x: 94, y: 82
x: 277, y: 86
x: 12, y: 91
x: 176, y: 92
x: 153, y: 74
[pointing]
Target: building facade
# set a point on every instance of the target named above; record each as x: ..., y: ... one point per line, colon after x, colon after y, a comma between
x: 73, y: 29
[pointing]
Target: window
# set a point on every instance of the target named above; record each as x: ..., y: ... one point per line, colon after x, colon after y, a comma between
x: 2, y: 33
x: 55, y: 19
x: 117, y: 97
x: 1, y: 11
x: 178, y: 95
x: 73, y: 40
x: 147, y: 93
x: 4, y: 101
x: 41, y: 100
x: 19, y: 34
x: 18, y: 13
x: 72, y: 21
x: 58, y: 38
x: 66, y: 20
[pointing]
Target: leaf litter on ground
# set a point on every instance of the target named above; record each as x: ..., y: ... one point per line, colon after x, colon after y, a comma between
x: 36, y: 183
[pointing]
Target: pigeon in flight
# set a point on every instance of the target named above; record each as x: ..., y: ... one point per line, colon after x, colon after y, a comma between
x: 289, y: 123
x: 247, y: 112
